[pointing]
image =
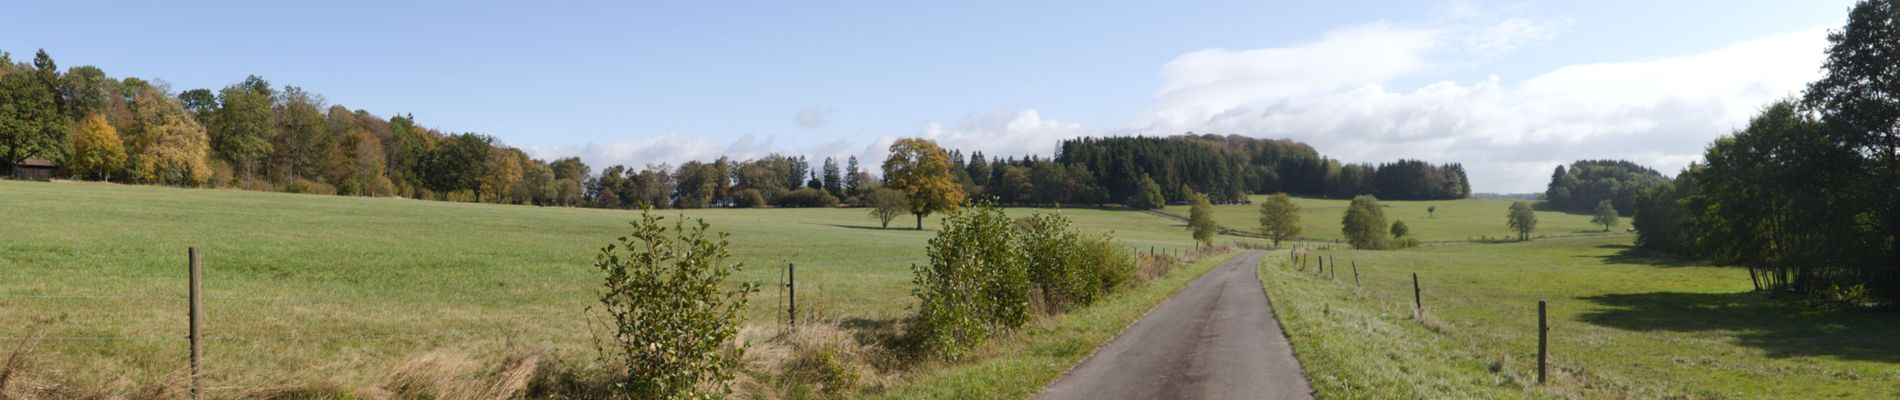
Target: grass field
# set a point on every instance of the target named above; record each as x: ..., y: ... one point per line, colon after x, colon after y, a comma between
x: 1621, y: 327
x: 304, y: 285
x: 349, y: 288
x: 1455, y: 220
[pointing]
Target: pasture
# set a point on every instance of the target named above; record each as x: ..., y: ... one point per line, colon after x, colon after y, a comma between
x: 345, y: 287
x: 1455, y: 220
x: 1620, y: 327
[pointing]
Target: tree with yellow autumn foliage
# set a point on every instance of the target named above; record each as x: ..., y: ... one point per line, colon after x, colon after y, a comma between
x: 921, y: 170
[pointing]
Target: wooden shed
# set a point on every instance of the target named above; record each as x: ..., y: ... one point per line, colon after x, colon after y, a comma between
x: 35, y: 170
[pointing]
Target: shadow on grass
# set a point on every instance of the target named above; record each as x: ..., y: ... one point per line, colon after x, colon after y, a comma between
x: 1778, y: 327
x: 908, y: 228
x: 1626, y: 254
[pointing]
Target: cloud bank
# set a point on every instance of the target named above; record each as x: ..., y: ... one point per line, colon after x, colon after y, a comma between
x: 1657, y: 112
x: 1335, y: 93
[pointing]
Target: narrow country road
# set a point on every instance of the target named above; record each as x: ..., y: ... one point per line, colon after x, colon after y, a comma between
x: 1215, y: 339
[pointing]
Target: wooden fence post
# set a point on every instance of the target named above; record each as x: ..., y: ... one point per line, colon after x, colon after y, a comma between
x: 197, y: 322
x: 1355, y: 273
x: 791, y: 287
x: 1543, y: 341
x: 1418, y: 304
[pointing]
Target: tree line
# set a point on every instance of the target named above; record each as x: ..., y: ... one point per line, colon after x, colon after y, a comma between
x: 256, y: 135
x: 1807, y: 196
x: 1228, y: 168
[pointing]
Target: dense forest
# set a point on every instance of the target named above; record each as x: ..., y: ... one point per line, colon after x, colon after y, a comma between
x: 1227, y: 168
x: 1588, y: 182
x: 1807, y: 196
x: 256, y: 135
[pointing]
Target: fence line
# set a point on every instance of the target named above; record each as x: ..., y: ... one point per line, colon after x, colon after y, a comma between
x: 243, y: 338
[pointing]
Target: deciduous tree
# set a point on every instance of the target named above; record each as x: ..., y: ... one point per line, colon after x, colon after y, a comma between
x: 97, y: 151
x: 170, y: 147
x: 1364, y: 223
x: 30, y: 121
x: 921, y: 170
x: 1605, y: 215
x: 1279, y: 218
x: 886, y: 204
x: 1521, y: 219
x: 1201, y: 219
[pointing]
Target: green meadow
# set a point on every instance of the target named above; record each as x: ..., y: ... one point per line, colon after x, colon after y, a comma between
x: 1620, y: 327
x: 1454, y: 220
x: 347, y: 286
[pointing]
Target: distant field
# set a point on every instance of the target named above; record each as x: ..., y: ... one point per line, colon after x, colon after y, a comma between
x: 345, y: 287
x: 1464, y: 219
x: 1620, y: 328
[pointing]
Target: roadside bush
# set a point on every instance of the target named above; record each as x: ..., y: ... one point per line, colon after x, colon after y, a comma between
x: 1053, y: 252
x: 1106, y: 265
x: 672, y: 315
x: 807, y: 197
x: 975, y: 285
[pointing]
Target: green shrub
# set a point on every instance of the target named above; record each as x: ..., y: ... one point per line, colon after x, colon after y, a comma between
x: 1052, y: 249
x: 827, y: 369
x: 807, y: 197
x: 310, y: 187
x: 672, y: 314
x: 1106, y: 265
x: 750, y: 198
x: 975, y: 285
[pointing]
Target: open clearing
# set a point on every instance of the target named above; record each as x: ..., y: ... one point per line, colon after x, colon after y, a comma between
x: 1620, y: 327
x: 346, y: 287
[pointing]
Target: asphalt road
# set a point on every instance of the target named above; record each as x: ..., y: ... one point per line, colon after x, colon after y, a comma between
x: 1215, y: 339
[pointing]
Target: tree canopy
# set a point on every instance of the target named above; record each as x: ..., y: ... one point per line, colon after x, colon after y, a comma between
x: 1364, y: 223
x: 1279, y: 218
x: 922, y: 171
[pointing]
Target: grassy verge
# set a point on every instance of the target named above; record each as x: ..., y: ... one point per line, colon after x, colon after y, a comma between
x: 1353, y: 348
x: 1019, y: 366
x: 1620, y: 327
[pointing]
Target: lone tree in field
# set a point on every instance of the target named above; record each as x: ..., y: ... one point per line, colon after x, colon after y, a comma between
x: 886, y: 204
x: 1279, y: 218
x: 672, y: 312
x: 1431, y: 212
x: 1399, y: 230
x: 1605, y: 215
x: 922, y: 171
x: 1201, y: 219
x: 1522, y: 219
x: 1364, y: 223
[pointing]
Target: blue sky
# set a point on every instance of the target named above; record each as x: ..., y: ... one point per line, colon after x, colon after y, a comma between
x: 1508, y: 88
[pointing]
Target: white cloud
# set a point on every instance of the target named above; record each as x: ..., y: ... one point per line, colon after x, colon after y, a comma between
x: 1200, y: 84
x: 1003, y: 132
x: 1509, y: 35
x: 1658, y: 112
x: 813, y: 117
